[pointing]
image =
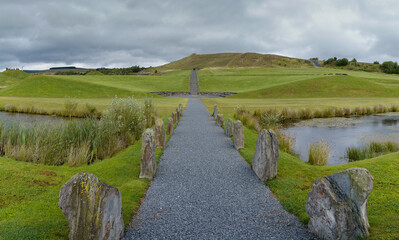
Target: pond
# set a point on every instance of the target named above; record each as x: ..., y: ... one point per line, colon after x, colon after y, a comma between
x: 29, y: 118
x: 340, y: 133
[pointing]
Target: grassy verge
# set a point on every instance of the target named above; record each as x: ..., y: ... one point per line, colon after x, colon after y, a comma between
x: 29, y: 192
x: 295, y: 179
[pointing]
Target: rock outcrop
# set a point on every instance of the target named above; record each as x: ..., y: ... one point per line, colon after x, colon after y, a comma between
x: 148, y: 158
x: 93, y: 208
x: 160, y: 134
x: 337, y: 205
x: 229, y: 127
x: 265, y: 160
x: 238, y: 135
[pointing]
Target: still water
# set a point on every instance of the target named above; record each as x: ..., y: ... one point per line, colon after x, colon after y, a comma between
x: 340, y: 133
x: 29, y: 118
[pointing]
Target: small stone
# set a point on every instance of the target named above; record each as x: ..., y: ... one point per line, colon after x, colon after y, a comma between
x: 170, y: 126
x: 220, y: 120
x: 238, y: 135
x: 177, y: 114
x: 93, y: 208
x: 214, y: 110
x: 148, y: 158
x: 337, y: 205
x: 229, y: 127
x: 265, y: 160
x: 160, y: 134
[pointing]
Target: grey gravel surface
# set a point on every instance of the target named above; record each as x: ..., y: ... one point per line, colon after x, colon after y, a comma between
x: 204, y: 189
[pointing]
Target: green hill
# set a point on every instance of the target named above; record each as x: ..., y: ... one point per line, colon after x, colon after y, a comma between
x: 234, y: 60
x: 10, y: 77
x: 48, y: 86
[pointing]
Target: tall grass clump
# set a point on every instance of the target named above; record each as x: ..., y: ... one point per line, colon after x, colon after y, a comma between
x: 70, y: 107
x: 251, y: 121
x: 370, y: 150
x: 270, y: 119
x: 319, y: 153
x: 149, y: 112
x: 75, y: 142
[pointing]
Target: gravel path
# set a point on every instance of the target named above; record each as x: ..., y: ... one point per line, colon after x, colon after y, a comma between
x: 204, y: 189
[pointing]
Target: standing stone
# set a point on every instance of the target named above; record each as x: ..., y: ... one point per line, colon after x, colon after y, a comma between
x: 220, y: 120
x: 148, y: 160
x: 160, y: 134
x: 238, y: 135
x: 170, y: 126
x: 174, y: 118
x: 93, y: 208
x: 194, y: 83
x: 215, y: 112
x: 214, y: 109
x: 181, y: 109
x: 177, y: 114
x: 229, y: 127
x: 265, y: 160
x: 337, y: 205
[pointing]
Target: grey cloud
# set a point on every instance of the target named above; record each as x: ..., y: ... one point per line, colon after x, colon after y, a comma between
x: 128, y: 32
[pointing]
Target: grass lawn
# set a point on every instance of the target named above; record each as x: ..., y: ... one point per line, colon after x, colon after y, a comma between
x: 295, y: 179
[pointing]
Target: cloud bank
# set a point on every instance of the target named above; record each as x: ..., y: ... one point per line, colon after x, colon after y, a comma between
x: 41, y: 34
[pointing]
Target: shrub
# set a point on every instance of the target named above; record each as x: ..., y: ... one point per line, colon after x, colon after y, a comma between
x: 342, y: 62
x: 319, y: 153
x: 270, y: 119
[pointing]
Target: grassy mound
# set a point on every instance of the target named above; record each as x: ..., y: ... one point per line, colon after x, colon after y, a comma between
x: 234, y: 60
x: 10, y: 77
x: 48, y: 86
x: 328, y: 86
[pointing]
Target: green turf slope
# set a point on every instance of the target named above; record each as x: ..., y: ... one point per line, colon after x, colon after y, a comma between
x: 48, y: 86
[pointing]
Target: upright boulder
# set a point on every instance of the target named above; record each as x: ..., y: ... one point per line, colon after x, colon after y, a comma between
x: 181, y: 109
x: 337, y: 205
x: 160, y: 134
x: 229, y: 127
x: 93, y: 208
x: 170, y: 126
x: 265, y: 160
x: 148, y: 158
x: 220, y: 120
x: 177, y: 114
x: 215, y: 111
x: 174, y: 118
x: 238, y: 135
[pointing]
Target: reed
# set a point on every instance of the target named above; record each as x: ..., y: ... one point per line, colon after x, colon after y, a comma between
x: 75, y: 142
x: 319, y: 153
x: 370, y: 150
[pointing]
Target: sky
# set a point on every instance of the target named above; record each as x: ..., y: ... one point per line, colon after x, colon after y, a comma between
x: 38, y: 34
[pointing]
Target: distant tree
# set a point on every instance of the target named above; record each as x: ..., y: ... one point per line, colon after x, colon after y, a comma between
x: 329, y: 61
x: 354, y: 60
x: 342, y: 62
x: 390, y: 67
x: 315, y: 58
x: 376, y: 62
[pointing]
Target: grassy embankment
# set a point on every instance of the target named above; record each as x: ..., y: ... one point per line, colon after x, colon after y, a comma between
x: 29, y: 192
x: 279, y: 89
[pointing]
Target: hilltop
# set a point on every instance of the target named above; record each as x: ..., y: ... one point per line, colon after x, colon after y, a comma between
x: 234, y: 60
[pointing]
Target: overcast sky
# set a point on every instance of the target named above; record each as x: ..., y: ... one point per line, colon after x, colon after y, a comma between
x: 37, y: 34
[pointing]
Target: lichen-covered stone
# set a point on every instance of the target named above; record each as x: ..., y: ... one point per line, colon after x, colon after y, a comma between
x: 93, y: 208
x: 215, y: 112
x: 229, y: 127
x: 177, y: 114
x: 181, y: 109
x: 220, y: 120
x: 160, y: 134
x: 238, y: 135
x: 174, y: 118
x: 148, y: 161
x: 170, y: 126
x: 337, y: 205
x: 265, y: 160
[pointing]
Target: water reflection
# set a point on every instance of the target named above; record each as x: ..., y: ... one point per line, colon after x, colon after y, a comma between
x: 369, y: 128
x: 29, y: 118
